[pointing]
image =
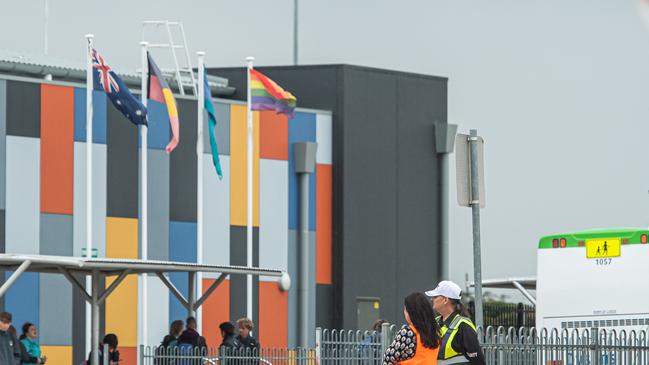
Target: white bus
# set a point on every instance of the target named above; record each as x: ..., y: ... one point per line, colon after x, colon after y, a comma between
x: 595, y: 279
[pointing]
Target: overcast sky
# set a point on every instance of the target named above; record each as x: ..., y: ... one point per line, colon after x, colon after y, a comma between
x: 559, y: 90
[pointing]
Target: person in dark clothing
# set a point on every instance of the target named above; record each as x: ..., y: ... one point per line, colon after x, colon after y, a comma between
x: 113, y: 355
x: 230, y: 342
x: 247, y: 341
x: 9, y: 348
x: 455, y: 327
x: 191, y: 337
x: 169, y: 344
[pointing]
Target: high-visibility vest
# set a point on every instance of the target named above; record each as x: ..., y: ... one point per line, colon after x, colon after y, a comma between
x: 447, y: 355
x: 423, y: 355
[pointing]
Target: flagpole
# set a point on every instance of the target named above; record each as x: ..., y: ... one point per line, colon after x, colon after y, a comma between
x: 89, y: 88
x: 199, y: 192
x: 249, y: 60
x: 144, y: 233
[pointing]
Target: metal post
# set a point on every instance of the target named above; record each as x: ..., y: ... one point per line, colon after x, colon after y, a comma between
x: 295, y: 27
x: 199, y: 178
x: 191, y: 297
x: 445, y: 245
x: 304, y: 157
x: 304, y: 260
x: 95, y: 318
x: 249, y: 216
x: 475, y: 208
x: 12, y: 279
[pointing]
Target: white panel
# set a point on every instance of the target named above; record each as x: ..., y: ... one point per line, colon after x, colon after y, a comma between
x: 273, y: 214
x: 23, y: 195
x: 98, y: 198
x: 323, y: 135
x: 216, y: 213
x: 158, y: 315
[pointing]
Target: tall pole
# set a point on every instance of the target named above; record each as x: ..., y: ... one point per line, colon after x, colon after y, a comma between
x: 199, y: 192
x: 445, y: 245
x: 89, y: 89
x: 249, y: 60
x: 95, y: 318
x: 304, y: 259
x: 45, y: 28
x: 144, y: 232
x: 475, y: 208
x: 295, y: 28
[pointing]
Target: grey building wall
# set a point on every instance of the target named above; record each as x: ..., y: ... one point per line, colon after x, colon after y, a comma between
x: 386, y: 187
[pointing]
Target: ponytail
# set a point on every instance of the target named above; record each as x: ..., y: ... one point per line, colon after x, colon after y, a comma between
x: 459, y: 307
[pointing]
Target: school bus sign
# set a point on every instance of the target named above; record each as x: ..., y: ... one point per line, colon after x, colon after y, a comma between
x: 602, y: 248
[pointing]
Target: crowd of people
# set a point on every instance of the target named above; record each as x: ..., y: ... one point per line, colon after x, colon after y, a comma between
x: 437, y: 331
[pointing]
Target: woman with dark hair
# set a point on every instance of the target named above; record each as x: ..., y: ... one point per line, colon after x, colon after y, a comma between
x: 113, y: 355
x: 30, y: 345
x: 417, y: 342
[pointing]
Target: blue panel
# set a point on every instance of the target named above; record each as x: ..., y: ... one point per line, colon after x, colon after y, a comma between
x: 182, y: 247
x: 22, y: 299
x: 159, y: 132
x: 302, y: 128
x: 98, y: 116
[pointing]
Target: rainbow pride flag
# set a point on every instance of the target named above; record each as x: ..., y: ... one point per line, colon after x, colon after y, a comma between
x: 267, y: 95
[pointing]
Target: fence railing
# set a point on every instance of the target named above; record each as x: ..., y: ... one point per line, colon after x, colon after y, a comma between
x: 501, y: 346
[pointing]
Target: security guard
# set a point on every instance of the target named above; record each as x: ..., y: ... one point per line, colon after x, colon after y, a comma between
x: 459, y: 337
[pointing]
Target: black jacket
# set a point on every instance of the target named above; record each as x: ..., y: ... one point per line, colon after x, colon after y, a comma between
x: 249, y: 343
x: 230, y: 344
x: 112, y: 355
x: 190, y: 336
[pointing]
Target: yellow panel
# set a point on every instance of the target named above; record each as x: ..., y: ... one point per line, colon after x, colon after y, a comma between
x: 121, y: 305
x: 121, y: 238
x: 57, y: 354
x: 238, y: 167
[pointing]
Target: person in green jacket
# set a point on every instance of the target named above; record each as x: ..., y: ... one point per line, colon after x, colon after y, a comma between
x: 28, y: 340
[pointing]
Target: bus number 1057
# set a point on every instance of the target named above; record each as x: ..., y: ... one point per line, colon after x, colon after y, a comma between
x: 606, y: 261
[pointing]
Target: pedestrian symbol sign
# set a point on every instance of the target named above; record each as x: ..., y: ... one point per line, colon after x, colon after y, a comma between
x: 601, y: 248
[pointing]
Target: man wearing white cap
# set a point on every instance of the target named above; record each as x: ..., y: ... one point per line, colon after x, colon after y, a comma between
x: 460, y: 343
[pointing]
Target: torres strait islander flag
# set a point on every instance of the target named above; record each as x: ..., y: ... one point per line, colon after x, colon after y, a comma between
x: 158, y: 90
x: 267, y: 95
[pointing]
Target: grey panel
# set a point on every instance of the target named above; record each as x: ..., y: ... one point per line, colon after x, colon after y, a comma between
x: 99, y: 171
x: 55, y: 310
x: 421, y: 102
x: 238, y: 256
x: 23, y: 109
x: 216, y: 213
x: 2, y: 231
x: 183, y: 166
x: 294, y: 272
x: 222, y: 130
x: 3, y: 140
x: 122, y: 166
x: 56, y: 234
x: 23, y: 195
x: 370, y: 182
x: 324, y: 303
x: 78, y: 325
x: 158, y: 204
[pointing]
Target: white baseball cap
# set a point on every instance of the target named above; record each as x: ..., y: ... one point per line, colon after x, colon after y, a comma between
x: 447, y: 289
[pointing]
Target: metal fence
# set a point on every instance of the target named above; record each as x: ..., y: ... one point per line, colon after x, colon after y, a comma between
x: 562, y: 347
x: 501, y: 346
x: 507, y: 314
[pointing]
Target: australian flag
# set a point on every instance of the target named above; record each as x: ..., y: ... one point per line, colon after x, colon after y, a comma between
x: 106, y: 79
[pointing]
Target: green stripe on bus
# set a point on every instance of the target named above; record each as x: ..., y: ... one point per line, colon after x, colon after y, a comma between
x: 573, y: 238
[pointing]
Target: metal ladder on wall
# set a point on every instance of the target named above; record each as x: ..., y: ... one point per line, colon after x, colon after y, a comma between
x: 183, y: 73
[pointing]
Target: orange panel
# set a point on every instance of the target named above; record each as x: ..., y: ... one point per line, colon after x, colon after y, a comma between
x: 273, y: 315
x: 121, y: 305
x: 216, y: 310
x: 127, y: 355
x: 239, y: 169
x: 274, y: 135
x: 57, y: 149
x: 323, y: 230
x: 57, y: 354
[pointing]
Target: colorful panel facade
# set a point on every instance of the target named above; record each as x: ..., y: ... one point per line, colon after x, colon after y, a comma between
x: 45, y: 210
